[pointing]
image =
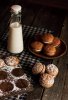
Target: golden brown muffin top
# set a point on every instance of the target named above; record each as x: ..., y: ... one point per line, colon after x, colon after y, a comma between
x: 49, y: 48
x: 56, y: 41
x: 47, y: 38
x: 36, y: 45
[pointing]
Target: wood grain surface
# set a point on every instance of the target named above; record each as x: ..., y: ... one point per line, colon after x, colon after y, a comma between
x: 52, y: 19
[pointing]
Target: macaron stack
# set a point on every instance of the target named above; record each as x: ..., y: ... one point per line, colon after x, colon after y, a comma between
x: 47, y: 73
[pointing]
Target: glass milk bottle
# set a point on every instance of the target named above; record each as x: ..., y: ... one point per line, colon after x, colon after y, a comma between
x: 15, y: 36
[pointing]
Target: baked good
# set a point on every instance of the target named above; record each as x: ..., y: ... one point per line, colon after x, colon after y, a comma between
x: 47, y: 38
x: 12, y: 60
x: 52, y: 70
x: 2, y: 63
x: 56, y: 42
x: 49, y: 50
x: 17, y: 72
x: 6, y: 86
x: 13, y: 81
x: 46, y: 80
x: 3, y: 75
x: 38, y: 68
x: 22, y: 83
x: 37, y: 46
x: 43, y: 70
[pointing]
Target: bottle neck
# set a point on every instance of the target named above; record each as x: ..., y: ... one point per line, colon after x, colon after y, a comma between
x: 15, y: 18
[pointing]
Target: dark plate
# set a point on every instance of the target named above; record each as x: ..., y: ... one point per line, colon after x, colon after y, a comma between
x: 61, y: 50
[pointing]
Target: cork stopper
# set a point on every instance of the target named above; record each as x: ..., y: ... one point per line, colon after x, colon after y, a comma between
x: 16, y: 8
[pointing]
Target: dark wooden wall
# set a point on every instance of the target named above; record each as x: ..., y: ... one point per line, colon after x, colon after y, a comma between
x: 62, y: 4
x: 34, y: 14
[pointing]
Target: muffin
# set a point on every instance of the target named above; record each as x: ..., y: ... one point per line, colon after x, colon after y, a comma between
x: 17, y: 72
x: 49, y: 50
x: 3, y: 75
x: 47, y: 38
x: 46, y: 80
x: 2, y: 63
x: 6, y: 86
x: 12, y: 61
x: 52, y: 70
x: 38, y: 68
x: 22, y: 83
x: 37, y: 46
x: 56, y: 42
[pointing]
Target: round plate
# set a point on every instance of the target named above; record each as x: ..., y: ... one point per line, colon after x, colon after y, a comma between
x: 61, y: 50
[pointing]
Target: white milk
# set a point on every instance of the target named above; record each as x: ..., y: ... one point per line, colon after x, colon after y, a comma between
x: 15, y: 38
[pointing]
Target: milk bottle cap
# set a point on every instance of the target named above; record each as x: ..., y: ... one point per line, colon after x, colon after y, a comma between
x: 16, y: 8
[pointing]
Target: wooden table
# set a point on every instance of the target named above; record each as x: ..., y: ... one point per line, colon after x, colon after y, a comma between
x: 51, y: 19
